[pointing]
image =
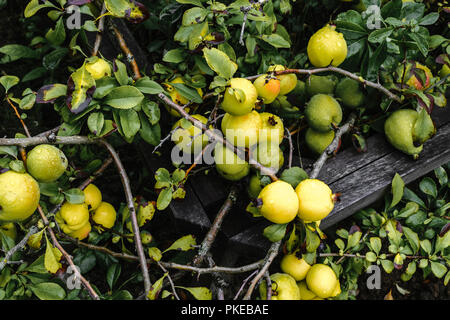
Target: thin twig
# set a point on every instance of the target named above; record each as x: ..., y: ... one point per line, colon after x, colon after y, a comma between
x: 213, y: 231
x: 243, y: 284
x: 18, y: 246
x: 129, y: 55
x: 268, y: 285
x: 132, y: 210
x: 101, y: 26
x: 32, y: 141
x: 170, y: 280
x: 25, y: 128
x: 291, y: 147
x: 340, y: 71
x: 271, y: 254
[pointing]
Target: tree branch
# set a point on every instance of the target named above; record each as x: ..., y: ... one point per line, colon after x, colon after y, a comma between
x: 212, y: 233
x: 132, y: 210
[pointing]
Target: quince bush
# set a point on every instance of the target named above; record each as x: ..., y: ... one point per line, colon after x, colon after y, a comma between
x: 267, y: 70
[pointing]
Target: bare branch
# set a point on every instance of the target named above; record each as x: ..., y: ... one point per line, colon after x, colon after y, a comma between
x: 132, y: 210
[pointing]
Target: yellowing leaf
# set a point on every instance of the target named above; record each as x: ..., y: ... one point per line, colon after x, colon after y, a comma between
x: 154, y: 253
x: 52, y: 257
x: 199, y: 293
x: 80, y: 88
x: 156, y: 288
x: 145, y: 213
x: 184, y: 243
x: 220, y: 62
x: 34, y: 241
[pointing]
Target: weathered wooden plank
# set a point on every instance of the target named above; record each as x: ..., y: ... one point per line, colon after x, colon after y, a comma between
x: 363, y: 187
x: 252, y: 240
x: 189, y: 211
x: 211, y: 189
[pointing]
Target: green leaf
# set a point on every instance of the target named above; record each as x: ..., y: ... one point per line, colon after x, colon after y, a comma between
x: 193, y: 2
x: 17, y: 166
x: 412, y: 10
x: 411, y: 196
x: 151, y: 110
x: 394, y: 235
x: 34, y: 74
x: 353, y: 239
x: 312, y: 240
x: 58, y: 35
x: 447, y: 278
x: 442, y: 243
x: 74, y: 196
x: 409, y: 209
x: 197, y: 34
x: 145, y: 85
x: 187, y: 92
x: 9, y: 150
x: 375, y: 244
x: 371, y: 257
x: 96, y: 122
x: 411, y: 269
x: 15, y: 52
x: 49, y: 189
x: 48, y: 291
x: 388, y: 265
x: 175, y: 56
x: 428, y: 186
x: 420, y: 41
x: 129, y: 121
x: 429, y: 19
x: 220, y: 63
x: 397, y: 189
x: 193, y: 16
x: 379, y: 35
x: 27, y: 102
x: 103, y: 86
x: 441, y: 175
x: 9, y: 81
x: 293, y: 176
x: 124, y: 97
x: 426, y: 246
x: 33, y: 6
x: 438, y: 269
x: 164, y: 198
x: 51, y: 61
x: 113, y: 274
x: 424, y: 127
x: 185, y: 243
x: 199, y: 293
x: 275, y: 232
x: 413, y: 239
x: 120, y: 72
x: 37, y: 266
x: 148, y: 132
x: 275, y: 40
